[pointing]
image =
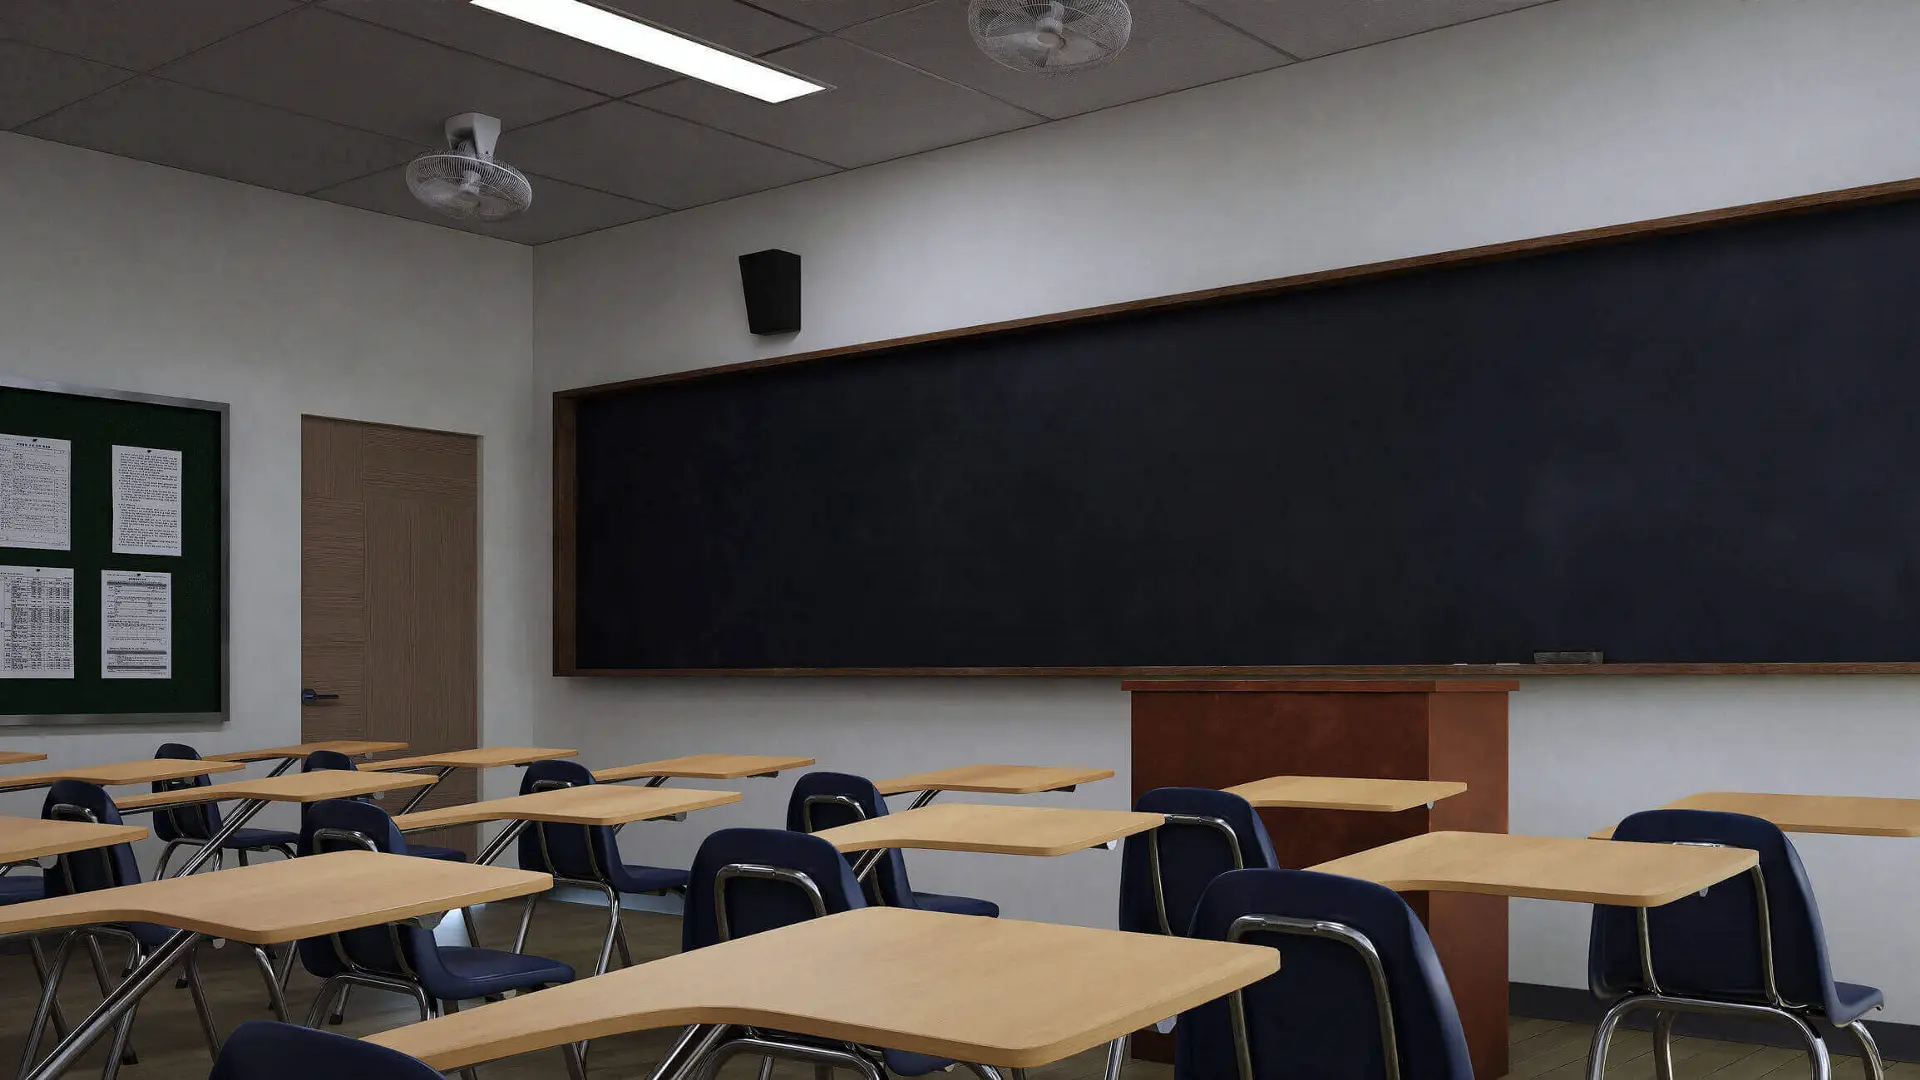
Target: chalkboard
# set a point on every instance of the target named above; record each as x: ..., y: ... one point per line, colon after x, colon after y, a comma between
x: 94, y: 422
x: 1696, y: 446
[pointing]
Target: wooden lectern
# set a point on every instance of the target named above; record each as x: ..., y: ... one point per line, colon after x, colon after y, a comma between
x: 1218, y: 733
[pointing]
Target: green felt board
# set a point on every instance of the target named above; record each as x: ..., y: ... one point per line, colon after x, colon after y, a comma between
x: 94, y: 425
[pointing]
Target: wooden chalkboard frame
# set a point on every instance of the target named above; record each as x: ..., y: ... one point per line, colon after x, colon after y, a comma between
x: 566, y: 403
x: 224, y: 558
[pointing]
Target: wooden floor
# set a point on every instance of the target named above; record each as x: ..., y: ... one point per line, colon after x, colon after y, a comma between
x: 170, y: 1046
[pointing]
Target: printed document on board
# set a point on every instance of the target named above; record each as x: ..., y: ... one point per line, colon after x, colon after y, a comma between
x: 36, y: 486
x: 146, y: 501
x: 36, y: 622
x: 136, y: 624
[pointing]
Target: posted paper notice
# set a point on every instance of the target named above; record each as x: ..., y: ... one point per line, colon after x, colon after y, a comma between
x: 136, y: 624
x: 36, y: 622
x: 146, y: 501
x: 36, y: 486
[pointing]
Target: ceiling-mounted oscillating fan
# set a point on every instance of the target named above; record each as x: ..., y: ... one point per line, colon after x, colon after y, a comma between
x: 464, y: 181
x: 1050, y: 37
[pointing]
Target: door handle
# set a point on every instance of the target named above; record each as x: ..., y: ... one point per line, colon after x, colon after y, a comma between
x: 310, y: 696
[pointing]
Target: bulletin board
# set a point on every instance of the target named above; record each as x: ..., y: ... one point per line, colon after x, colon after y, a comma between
x: 146, y: 477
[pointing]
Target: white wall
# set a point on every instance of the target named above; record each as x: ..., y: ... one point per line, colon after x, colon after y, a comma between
x: 120, y: 274
x: 1575, y: 114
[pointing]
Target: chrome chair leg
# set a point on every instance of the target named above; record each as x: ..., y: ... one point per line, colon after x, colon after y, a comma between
x: 1822, y: 1062
x: 526, y: 920
x: 284, y: 970
x: 1870, y: 1058
x: 984, y: 1072
x: 473, y: 931
x: 39, y: 956
x: 613, y: 930
x: 200, y: 1006
x: 576, y: 1069
x: 98, y: 959
x: 1663, y: 1045
x: 766, y: 1068
x: 166, y: 856
x: 275, y: 999
x: 1117, y: 1057
x: 48, y: 1000
x: 825, y: 1072
x: 123, y: 1033
x: 689, y: 1050
x: 1603, y: 1038
x: 323, y: 1001
x: 340, y: 1006
x: 620, y: 939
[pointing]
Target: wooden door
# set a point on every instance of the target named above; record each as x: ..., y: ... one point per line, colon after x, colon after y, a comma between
x: 389, y: 593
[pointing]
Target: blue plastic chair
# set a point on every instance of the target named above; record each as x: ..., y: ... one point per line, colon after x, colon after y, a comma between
x: 333, y: 759
x: 263, y: 1050
x: 823, y: 800
x: 109, y: 868
x: 1750, y: 946
x: 1164, y: 871
x: 746, y: 881
x: 193, y: 826
x: 587, y: 857
x: 403, y: 957
x: 1359, y: 995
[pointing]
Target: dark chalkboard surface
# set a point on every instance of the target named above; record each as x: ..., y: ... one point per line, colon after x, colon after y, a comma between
x: 1700, y: 447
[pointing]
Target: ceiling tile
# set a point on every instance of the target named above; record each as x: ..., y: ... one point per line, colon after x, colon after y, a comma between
x: 559, y: 209
x: 878, y: 109
x: 351, y: 72
x: 1172, y: 48
x: 190, y: 129
x: 34, y: 82
x: 510, y: 41
x: 653, y: 157
x: 1317, y: 27
x: 726, y: 23
x: 137, y: 34
x: 836, y: 14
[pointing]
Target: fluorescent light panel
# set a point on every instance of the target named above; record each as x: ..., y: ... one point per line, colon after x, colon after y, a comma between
x: 608, y: 30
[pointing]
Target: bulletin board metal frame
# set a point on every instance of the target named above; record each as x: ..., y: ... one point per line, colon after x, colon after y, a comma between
x: 222, y: 557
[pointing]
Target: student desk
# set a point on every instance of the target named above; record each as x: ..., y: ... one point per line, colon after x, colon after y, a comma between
x: 1006, y: 993
x: 1368, y: 795
x: 703, y: 767
x: 597, y: 804
x: 149, y: 771
x: 443, y: 764
x: 254, y: 795
x: 1580, y: 871
x: 289, y: 755
x: 19, y: 757
x: 998, y: 830
x: 23, y: 838
x: 992, y: 780
x: 1843, y: 814
x: 264, y: 904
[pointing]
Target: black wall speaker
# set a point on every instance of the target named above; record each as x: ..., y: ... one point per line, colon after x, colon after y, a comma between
x: 770, y: 280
